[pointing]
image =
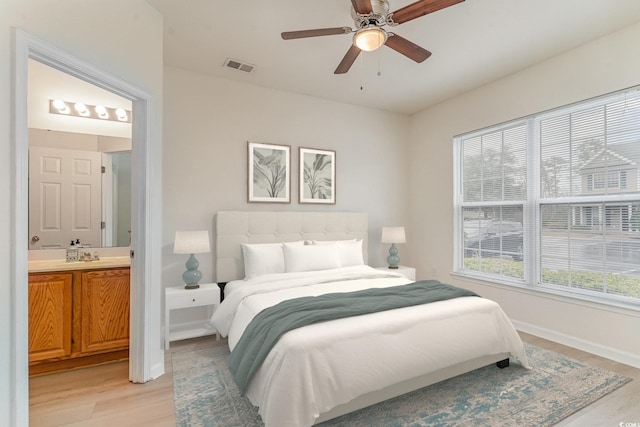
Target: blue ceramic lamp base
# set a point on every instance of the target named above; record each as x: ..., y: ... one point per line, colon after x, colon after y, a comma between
x: 192, y: 276
x: 393, y: 259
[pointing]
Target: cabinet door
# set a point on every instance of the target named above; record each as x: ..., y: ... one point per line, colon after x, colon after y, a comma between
x: 105, y: 310
x: 50, y: 308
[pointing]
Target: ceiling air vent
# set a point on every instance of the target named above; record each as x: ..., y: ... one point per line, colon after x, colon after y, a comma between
x: 240, y: 66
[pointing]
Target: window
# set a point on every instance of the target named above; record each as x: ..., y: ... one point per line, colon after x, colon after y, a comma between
x: 553, y: 201
x: 616, y: 179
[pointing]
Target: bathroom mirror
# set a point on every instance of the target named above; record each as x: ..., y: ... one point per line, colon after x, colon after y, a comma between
x: 79, y: 166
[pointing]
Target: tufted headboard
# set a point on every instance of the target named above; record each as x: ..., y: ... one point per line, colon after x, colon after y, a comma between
x: 236, y: 227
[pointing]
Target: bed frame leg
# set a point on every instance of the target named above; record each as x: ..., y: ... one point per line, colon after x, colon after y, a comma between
x: 503, y: 364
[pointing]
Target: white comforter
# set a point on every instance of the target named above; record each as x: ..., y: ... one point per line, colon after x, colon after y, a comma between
x: 318, y: 367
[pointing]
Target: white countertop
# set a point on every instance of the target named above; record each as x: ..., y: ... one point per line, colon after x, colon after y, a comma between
x: 36, y: 266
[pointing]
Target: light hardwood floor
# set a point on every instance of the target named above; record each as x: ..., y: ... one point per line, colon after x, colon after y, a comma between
x: 102, y: 395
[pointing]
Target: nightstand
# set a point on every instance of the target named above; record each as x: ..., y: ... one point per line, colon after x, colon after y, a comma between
x: 410, y: 272
x: 178, y: 297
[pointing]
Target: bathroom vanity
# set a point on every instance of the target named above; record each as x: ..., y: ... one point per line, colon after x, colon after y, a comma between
x: 78, y: 313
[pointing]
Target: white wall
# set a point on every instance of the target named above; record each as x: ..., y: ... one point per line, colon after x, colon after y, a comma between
x: 77, y: 141
x: 121, y: 37
x: 207, y: 124
x: 605, y: 65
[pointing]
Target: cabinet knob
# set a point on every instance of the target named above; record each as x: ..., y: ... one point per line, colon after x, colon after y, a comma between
x: 194, y: 300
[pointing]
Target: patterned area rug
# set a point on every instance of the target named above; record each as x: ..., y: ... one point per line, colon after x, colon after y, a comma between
x: 556, y: 387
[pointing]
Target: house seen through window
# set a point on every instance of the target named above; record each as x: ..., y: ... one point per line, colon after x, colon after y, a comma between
x: 552, y: 201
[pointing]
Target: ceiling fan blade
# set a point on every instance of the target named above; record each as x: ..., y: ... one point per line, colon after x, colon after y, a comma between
x: 289, y: 35
x: 407, y: 48
x: 348, y: 60
x: 420, y: 8
x: 363, y: 7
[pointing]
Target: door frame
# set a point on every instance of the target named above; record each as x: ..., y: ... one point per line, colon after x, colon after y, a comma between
x: 106, y: 233
x: 145, y: 358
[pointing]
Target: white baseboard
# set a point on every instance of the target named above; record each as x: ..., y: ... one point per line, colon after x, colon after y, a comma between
x: 579, y: 343
x: 157, y: 370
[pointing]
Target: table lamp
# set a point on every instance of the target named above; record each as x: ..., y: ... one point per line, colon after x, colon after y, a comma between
x: 393, y: 235
x: 191, y: 242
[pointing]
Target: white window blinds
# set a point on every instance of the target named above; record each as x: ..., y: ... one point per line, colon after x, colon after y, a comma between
x: 494, y: 165
x: 494, y: 186
x: 591, y: 152
x: 554, y: 200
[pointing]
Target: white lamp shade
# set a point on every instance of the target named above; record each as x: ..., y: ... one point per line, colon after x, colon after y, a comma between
x: 393, y: 235
x: 191, y: 242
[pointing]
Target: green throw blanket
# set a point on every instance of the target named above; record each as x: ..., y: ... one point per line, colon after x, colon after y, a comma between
x: 270, y: 324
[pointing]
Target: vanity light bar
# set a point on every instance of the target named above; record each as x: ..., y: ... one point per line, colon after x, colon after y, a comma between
x: 78, y: 109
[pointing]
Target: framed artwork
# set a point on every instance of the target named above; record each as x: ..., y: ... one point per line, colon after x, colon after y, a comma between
x: 269, y: 173
x: 317, y: 176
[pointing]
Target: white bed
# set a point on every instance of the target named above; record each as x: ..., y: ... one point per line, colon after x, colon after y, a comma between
x: 324, y: 370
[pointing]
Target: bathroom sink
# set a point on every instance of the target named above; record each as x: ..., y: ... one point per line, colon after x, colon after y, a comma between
x: 63, y: 265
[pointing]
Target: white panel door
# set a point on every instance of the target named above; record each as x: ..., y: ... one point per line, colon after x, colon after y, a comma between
x: 64, y: 197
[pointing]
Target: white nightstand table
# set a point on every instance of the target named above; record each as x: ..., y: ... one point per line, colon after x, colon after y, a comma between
x: 410, y: 272
x: 178, y: 297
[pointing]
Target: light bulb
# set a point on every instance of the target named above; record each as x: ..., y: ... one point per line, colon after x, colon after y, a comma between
x: 122, y: 115
x: 61, y: 106
x: 102, y: 112
x: 81, y: 109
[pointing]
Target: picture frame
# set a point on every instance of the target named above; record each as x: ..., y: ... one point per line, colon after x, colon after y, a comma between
x: 317, y: 176
x: 269, y: 173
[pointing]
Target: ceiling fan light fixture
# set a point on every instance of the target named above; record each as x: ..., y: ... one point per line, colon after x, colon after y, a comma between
x: 370, y: 38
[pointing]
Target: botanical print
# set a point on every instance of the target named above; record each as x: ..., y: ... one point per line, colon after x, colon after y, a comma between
x: 268, y: 173
x: 317, y: 176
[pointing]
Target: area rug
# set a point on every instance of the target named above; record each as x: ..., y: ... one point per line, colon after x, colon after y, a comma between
x: 556, y: 387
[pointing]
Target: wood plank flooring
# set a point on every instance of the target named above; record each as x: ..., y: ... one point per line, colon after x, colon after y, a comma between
x: 102, y: 395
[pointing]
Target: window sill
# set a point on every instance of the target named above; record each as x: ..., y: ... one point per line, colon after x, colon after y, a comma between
x: 618, y: 307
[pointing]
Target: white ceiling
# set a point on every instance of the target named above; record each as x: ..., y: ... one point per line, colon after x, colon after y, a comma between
x: 473, y: 43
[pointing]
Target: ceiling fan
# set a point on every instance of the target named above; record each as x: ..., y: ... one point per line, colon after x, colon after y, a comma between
x: 369, y: 17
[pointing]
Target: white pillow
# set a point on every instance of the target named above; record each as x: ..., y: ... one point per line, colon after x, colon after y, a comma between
x: 262, y: 258
x: 350, y: 253
x: 310, y: 258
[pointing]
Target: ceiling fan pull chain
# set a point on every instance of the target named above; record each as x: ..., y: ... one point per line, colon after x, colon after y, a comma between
x: 361, y: 72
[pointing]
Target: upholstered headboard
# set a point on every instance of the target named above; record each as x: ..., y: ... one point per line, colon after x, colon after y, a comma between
x: 234, y: 228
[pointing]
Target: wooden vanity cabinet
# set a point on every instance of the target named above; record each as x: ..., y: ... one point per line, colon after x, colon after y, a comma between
x: 50, y: 309
x: 104, y: 296
x: 78, y: 318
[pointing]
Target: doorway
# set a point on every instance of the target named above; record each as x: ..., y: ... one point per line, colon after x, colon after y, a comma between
x: 145, y: 358
x: 79, y: 195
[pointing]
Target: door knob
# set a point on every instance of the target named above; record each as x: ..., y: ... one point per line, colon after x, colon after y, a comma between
x: 35, y: 239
